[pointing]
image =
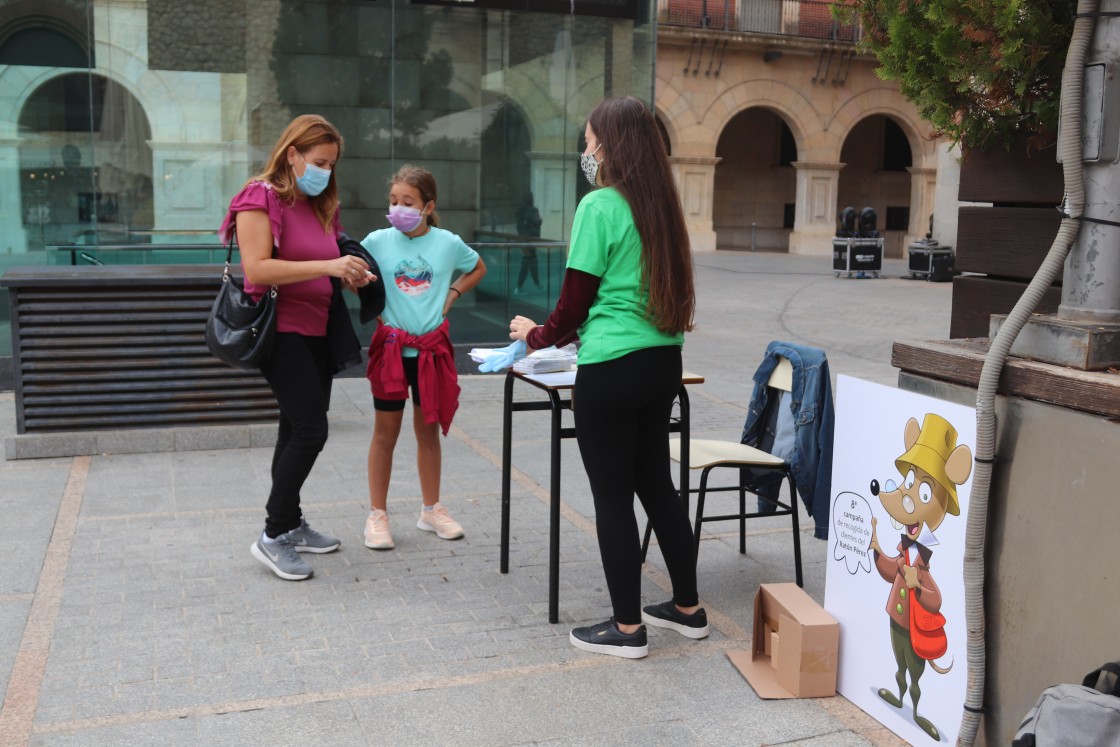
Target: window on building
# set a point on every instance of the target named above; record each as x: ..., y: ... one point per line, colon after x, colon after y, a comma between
x: 898, y: 218
x: 43, y: 47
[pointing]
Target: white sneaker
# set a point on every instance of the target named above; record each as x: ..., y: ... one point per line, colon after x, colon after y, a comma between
x: 377, y: 531
x: 439, y: 521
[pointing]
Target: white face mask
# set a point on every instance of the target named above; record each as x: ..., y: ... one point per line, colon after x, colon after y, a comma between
x: 590, y: 166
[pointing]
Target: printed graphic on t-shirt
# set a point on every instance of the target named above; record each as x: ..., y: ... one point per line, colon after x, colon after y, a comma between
x: 413, y: 276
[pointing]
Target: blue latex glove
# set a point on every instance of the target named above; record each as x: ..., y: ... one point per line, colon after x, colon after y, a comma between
x: 503, y: 358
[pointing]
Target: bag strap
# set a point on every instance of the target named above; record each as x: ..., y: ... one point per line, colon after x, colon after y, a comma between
x: 229, y: 253
x: 1106, y: 679
x: 229, y: 258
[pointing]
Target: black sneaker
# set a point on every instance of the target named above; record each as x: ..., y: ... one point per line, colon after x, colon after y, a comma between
x: 666, y: 615
x: 606, y: 638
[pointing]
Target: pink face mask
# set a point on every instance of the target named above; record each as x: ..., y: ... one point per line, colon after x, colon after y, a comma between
x: 404, y: 219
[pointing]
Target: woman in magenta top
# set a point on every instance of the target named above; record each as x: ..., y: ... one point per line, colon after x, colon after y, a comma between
x: 286, y: 221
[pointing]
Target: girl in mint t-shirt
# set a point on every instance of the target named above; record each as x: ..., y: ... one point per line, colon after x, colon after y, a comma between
x: 628, y: 293
x: 411, y: 349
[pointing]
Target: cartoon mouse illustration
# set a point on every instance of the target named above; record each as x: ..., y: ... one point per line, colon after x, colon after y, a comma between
x: 932, y: 467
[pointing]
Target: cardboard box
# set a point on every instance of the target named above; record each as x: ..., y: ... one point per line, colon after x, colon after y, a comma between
x: 794, y: 645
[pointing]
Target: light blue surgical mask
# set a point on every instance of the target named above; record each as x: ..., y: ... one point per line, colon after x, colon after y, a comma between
x: 314, y: 179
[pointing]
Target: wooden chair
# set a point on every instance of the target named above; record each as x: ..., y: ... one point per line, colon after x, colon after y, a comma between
x: 755, y: 466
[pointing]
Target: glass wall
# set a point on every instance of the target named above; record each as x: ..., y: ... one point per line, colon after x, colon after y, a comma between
x: 126, y: 126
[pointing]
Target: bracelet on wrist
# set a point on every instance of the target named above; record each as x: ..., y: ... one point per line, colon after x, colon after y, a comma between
x: 457, y: 291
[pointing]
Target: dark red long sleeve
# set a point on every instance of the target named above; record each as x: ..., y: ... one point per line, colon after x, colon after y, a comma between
x: 576, y: 296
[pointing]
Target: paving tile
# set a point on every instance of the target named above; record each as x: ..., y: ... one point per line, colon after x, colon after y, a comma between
x: 162, y: 606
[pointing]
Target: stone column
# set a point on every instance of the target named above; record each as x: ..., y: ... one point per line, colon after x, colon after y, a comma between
x: 923, y: 188
x: 13, y: 237
x: 552, y: 178
x: 696, y: 176
x: 814, y: 224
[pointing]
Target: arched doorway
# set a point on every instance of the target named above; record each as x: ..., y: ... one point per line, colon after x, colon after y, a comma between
x: 877, y: 154
x: 504, y: 168
x: 755, y: 183
x: 664, y: 132
x: 85, y: 163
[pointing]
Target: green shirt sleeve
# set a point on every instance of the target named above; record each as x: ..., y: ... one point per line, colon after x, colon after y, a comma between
x: 591, y: 240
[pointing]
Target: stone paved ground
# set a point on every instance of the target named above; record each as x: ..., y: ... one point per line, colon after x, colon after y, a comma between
x: 132, y: 613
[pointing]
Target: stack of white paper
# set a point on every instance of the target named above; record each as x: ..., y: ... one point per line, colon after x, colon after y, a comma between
x: 548, y: 360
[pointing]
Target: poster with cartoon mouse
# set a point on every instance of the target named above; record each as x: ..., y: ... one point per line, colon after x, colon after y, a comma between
x: 901, y: 475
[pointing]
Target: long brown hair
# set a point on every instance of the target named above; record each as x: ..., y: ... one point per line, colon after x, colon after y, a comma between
x: 636, y: 164
x: 423, y: 182
x: 303, y: 134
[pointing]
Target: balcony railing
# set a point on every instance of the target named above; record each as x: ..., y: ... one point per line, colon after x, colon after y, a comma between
x: 804, y: 18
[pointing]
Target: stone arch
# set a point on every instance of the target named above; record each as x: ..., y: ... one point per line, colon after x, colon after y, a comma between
x: 882, y: 101
x: 525, y: 91
x: 155, y: 95
x: 667, y: 126
x: 550, y: 128
x: 755, y: 182
x: 505, y: 168
x: 901, y: 195
x: 795, y: 109
x: 109, y: 187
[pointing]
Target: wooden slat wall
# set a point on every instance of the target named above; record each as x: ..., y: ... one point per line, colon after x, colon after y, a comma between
x: 1006, y: 243
x: 1019, y: 175
x: 976, y: 298
x: 105, y: 348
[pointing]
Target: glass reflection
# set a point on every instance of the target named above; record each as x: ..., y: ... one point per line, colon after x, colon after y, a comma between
x: 125, y: 126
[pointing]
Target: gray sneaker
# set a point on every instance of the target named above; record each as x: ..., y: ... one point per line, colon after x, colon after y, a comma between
x: 281, y: 557
x: 307, y: 539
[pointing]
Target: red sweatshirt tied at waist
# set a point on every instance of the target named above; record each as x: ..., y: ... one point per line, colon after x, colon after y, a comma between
x: 435, y: 370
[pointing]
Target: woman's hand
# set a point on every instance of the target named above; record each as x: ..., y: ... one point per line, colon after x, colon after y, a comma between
x: 351, y: 283
x: 350, y: 268
x: 255, y: 242
x: 520, y: 327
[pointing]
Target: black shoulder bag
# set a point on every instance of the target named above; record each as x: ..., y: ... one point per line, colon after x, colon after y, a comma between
x: 241, y: 331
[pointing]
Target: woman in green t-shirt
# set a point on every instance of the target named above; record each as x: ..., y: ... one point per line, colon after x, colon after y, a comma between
x: 628, y: 293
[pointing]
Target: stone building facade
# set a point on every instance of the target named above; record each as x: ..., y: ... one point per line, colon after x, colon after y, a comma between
x: 775, y: 127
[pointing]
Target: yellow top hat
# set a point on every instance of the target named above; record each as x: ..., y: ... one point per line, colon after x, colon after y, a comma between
x: 930, y: 452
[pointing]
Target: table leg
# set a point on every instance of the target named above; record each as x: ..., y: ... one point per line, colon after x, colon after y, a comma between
x: 507, y: 469
x: 554, y: 513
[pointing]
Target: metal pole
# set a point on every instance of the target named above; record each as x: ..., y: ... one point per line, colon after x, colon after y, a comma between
x: 754, y: 232
x: 1091, y: 284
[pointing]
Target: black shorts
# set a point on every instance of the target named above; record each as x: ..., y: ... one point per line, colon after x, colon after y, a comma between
x: 410, y: 374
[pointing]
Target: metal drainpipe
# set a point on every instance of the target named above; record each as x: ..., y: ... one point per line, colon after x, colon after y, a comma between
x: 1069, y: 146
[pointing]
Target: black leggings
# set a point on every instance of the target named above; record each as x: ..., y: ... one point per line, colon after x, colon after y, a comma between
x: 622, y: 410
x: 299, y: 374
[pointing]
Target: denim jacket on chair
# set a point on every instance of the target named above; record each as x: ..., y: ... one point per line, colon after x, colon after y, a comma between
x: 811, y: 407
